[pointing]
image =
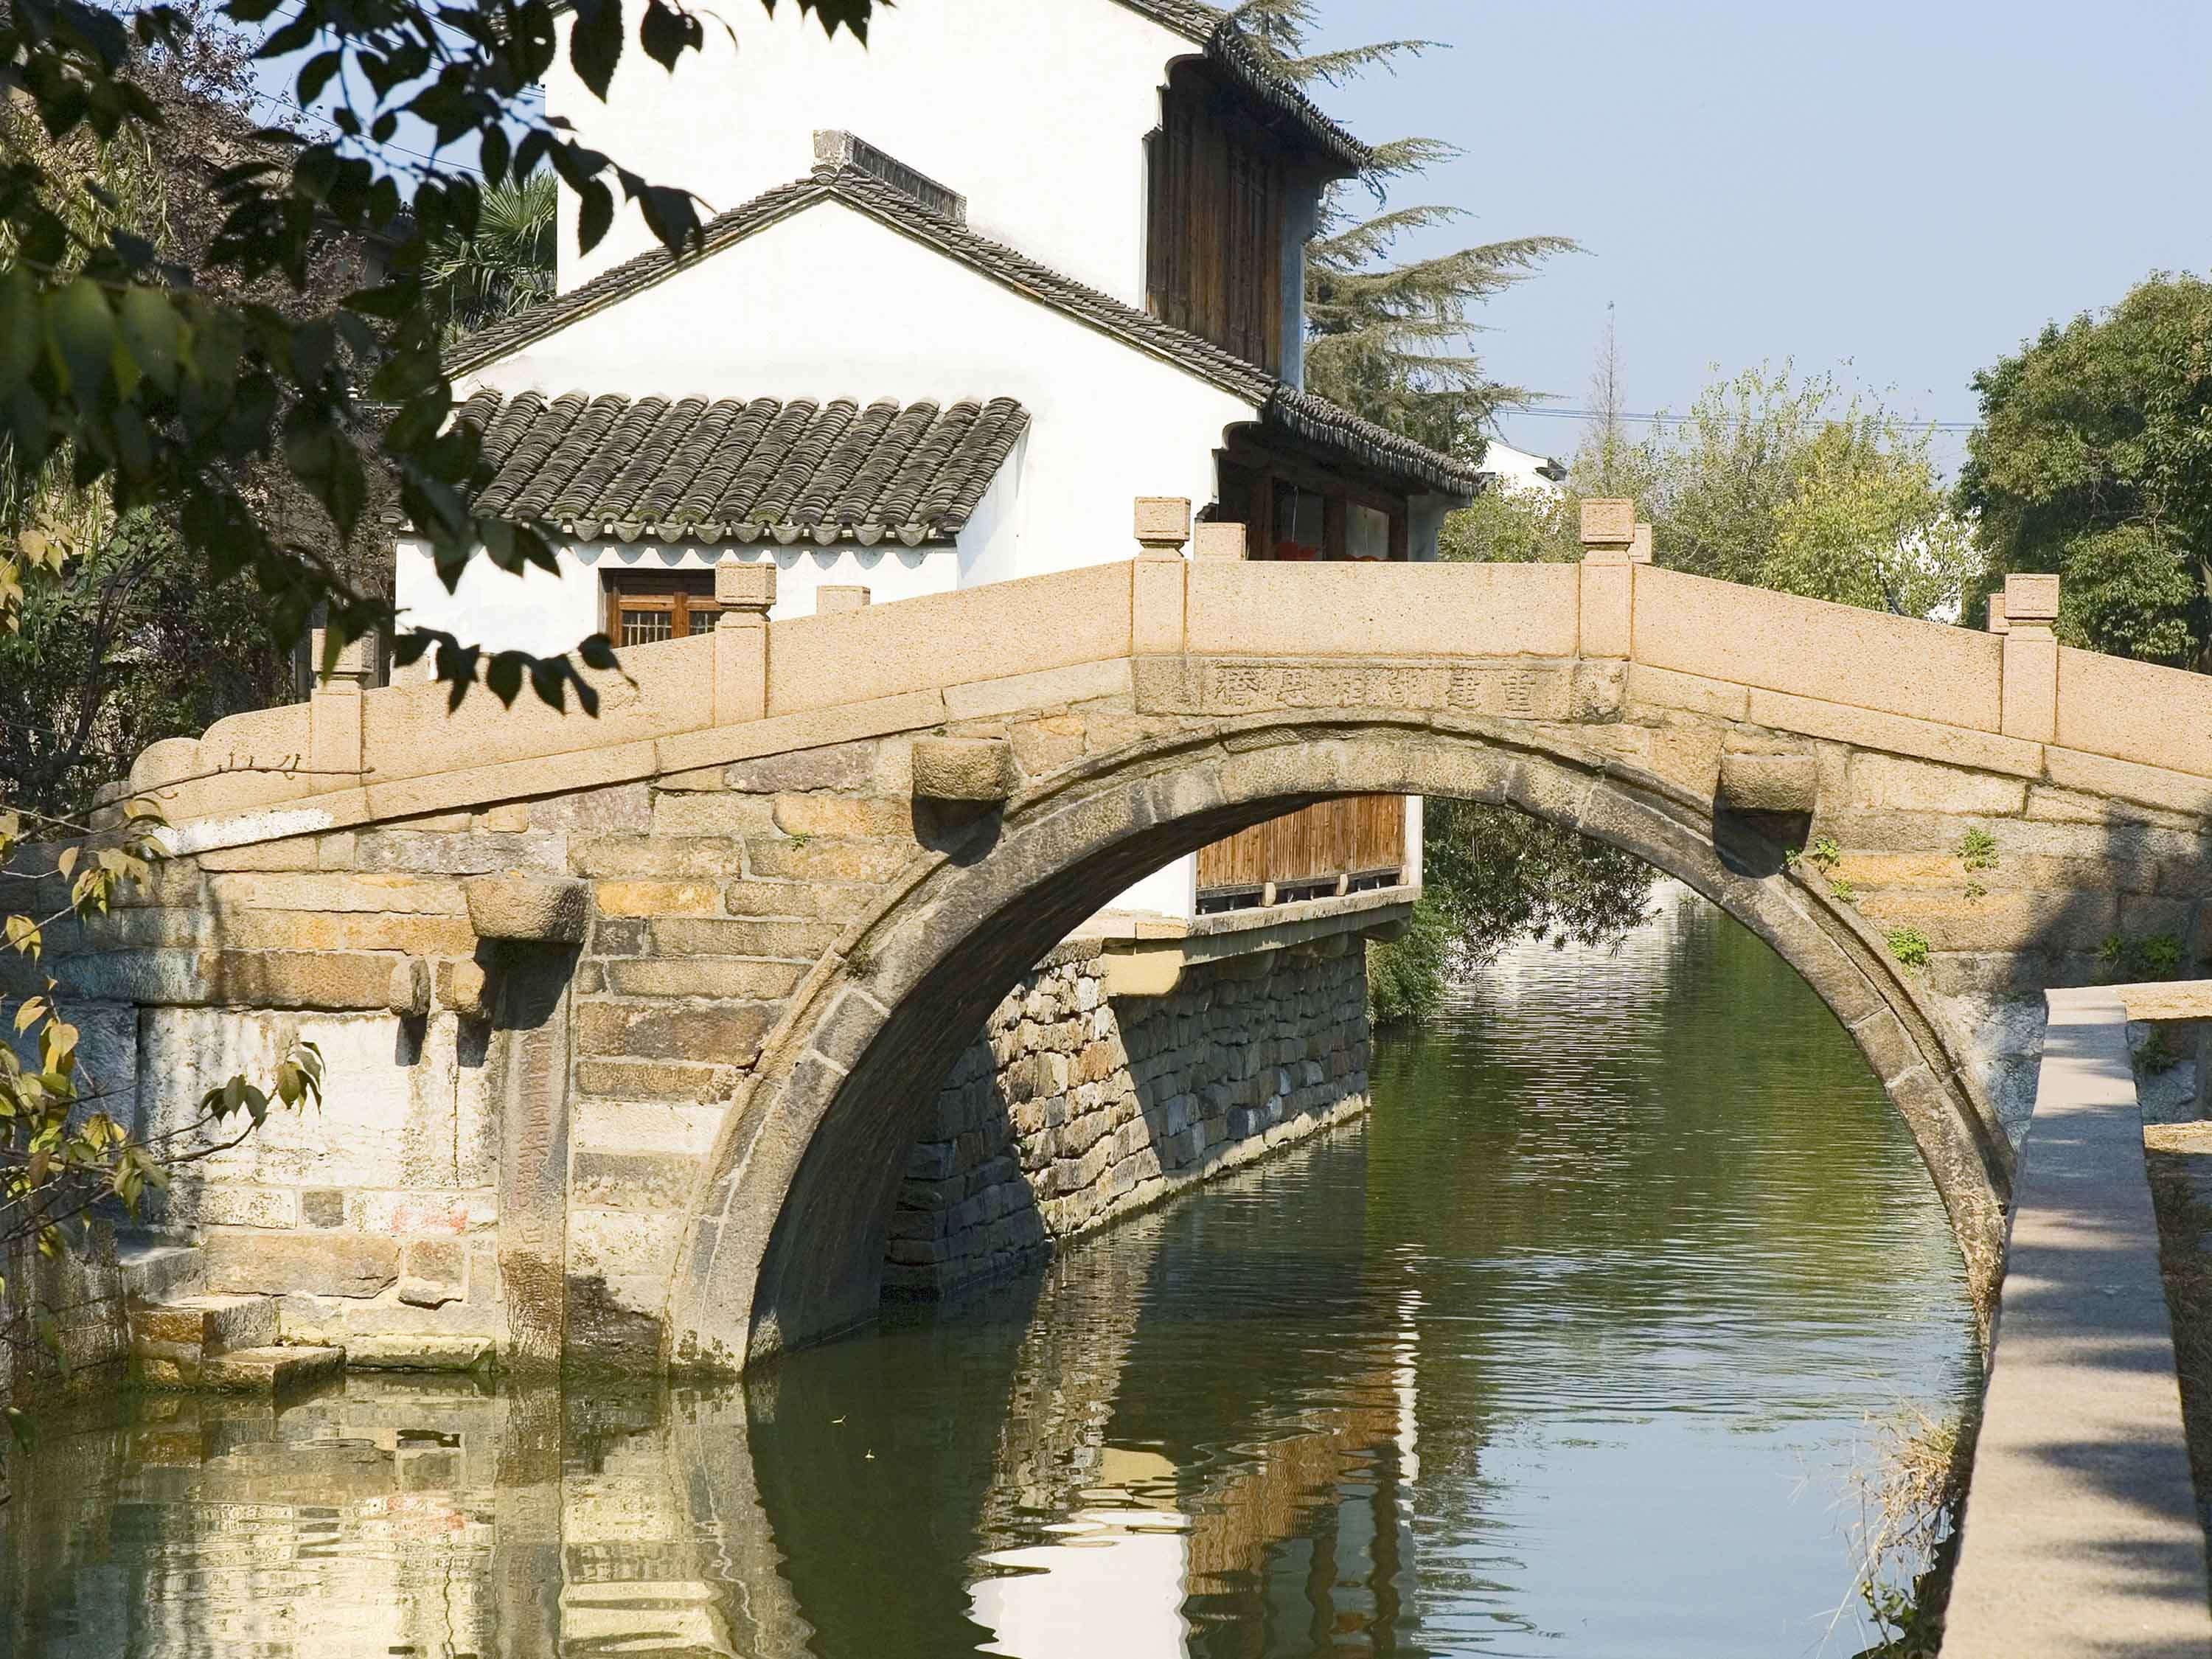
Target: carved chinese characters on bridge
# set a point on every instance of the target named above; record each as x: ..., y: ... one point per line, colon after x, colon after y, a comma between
x: 1244, y: 685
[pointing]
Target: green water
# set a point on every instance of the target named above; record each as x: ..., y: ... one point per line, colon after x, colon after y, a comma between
x: 1570, y: 1350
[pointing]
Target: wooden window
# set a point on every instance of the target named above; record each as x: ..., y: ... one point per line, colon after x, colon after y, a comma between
x: 1214, y: 247
x: 644, y: 607
x: 1294, y: 510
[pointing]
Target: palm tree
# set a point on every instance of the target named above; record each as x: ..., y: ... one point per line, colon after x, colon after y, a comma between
x: 506, y: 266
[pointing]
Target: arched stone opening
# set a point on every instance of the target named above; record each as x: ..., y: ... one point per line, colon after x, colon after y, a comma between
x: 787, y: 1241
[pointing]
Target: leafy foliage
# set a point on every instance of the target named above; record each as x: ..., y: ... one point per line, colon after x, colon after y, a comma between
x: 1909, y: 946
x: 1495, y: 875
x: 2093, y: 459
x: 129, y: 647
x: 1766, y: 481
x: 161, y: 380
x: 1407, y: 977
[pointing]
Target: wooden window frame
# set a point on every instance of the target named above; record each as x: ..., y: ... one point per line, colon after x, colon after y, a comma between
x: 687, y: 595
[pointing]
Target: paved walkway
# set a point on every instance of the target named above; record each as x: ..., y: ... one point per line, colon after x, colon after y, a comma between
x: 2082, y: 1535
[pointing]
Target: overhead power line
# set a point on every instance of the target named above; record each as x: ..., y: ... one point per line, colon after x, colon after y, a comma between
x: 279, y: 99
x: 1549, y: 413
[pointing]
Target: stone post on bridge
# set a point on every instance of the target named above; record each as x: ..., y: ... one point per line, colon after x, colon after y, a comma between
x: 1613, y: 544
x: 1159, y: 599
x: 2031, y: 658
x: 746, y: 594
x: 334, y: 706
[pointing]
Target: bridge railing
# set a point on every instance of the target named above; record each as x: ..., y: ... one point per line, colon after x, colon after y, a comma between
x: 2015, y: 702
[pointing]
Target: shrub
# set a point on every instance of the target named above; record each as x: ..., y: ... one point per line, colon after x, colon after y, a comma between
x: 1407, y: 978
x: 1908, y: 946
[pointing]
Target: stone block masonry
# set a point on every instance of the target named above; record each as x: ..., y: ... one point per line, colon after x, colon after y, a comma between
x: 1074, y: 1109
x: 792, y: 922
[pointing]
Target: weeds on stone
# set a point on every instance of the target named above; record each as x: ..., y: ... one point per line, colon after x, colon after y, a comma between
x: 2157, y: 1056
x: 1909, y: 946
x: 1909, y: 1523
x: 1975, y: 890
x: 2160, y: 954
x: 1824, y: 854
x: 1978, y: 850
x: 2157, y: 956
x: 1845, y: 892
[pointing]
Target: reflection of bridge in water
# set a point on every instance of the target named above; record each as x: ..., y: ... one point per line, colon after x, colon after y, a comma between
x: 395, y: 1514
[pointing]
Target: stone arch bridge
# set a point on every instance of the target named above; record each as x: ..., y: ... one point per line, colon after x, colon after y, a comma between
x: 652, y: 1000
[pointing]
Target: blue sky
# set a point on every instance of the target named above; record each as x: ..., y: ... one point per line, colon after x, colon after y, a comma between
x: 1899, y: 192
x: 1902, y: 192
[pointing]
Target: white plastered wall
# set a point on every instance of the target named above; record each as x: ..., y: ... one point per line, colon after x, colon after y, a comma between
x: 546, y: 615
x: 831, y: 303
x: 1036, y: 113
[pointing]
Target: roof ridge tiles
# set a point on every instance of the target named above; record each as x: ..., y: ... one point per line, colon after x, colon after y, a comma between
x: 1231, y: 48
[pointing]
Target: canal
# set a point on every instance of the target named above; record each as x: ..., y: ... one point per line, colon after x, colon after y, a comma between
x: 1584, y: 1344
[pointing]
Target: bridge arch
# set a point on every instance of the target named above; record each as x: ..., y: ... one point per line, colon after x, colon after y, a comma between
x: 786, y: 1239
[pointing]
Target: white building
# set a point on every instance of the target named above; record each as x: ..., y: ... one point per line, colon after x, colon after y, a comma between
x: 1511, y: 469
x: 969, y: 291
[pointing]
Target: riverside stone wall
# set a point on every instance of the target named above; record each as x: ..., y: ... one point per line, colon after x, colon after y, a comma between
x: 1074, y: 1109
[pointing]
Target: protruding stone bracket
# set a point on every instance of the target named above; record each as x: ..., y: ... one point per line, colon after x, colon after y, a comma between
x: 1770, y: 783
x: 530, y: 909
x: 410, y: 988
x: 965, y: 771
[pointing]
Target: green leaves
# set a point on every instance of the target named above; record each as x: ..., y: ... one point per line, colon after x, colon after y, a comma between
x: 2094, y: 459
x: 170, y: 386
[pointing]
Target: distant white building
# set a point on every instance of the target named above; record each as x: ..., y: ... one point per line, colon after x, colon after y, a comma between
x: 1517, y: 469
x: 972, y: 289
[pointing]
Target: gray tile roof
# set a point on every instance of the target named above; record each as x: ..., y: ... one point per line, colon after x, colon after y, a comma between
x: 731, y: 471
x: 1192, y: 21
x: 1228, y: 49
x: 1279, y: 405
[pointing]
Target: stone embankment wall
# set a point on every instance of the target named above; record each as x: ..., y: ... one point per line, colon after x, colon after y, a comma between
x: 62, y: 1329
x: 1075, y: 1109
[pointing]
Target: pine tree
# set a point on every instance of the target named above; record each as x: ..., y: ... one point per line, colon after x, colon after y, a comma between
x: 1391, y: 340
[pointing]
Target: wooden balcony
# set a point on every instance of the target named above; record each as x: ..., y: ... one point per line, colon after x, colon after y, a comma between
x: 1350, y: 845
